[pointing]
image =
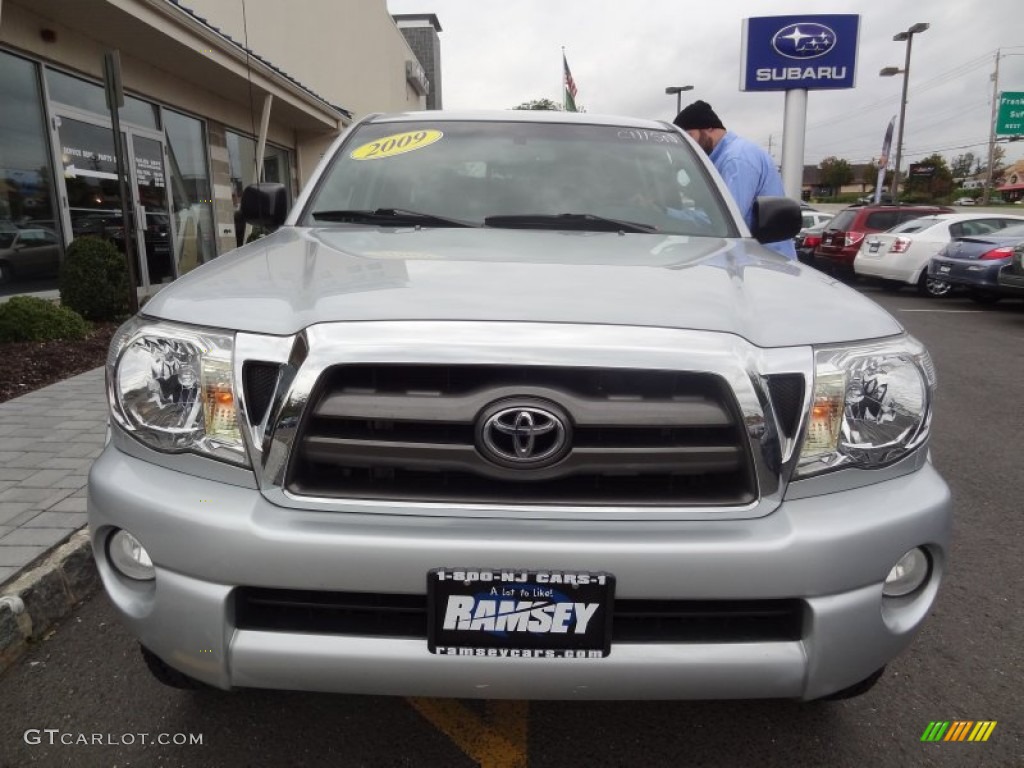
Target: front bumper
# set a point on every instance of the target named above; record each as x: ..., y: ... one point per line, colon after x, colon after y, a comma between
x: 206, y: 538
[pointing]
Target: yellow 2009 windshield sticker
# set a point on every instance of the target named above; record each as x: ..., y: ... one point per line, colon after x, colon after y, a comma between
x: 398, y: 144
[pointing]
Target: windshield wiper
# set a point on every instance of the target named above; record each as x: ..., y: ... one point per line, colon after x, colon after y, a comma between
x: 394, y: 216
x: 586, y: 221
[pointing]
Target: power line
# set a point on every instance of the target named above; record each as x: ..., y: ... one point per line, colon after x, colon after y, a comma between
x: 939, y: 79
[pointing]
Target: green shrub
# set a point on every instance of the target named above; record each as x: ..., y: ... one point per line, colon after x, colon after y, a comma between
x: 94, y: 279
x: 28, y: 318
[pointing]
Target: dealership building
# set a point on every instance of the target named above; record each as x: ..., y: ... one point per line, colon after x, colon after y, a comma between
x: 218, y: 94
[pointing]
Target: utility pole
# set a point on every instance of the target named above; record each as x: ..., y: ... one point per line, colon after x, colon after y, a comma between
x: 992, y: 133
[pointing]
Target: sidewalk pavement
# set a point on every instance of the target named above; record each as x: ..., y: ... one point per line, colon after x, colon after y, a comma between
x: 48, y: 440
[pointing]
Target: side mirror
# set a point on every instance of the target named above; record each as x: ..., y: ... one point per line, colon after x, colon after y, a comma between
x: 265, y: 205
x: 776, y: 218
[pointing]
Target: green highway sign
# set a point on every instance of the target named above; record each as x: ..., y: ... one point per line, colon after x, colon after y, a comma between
x: 1010, y: 119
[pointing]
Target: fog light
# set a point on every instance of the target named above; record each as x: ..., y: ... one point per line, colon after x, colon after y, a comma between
x: 908, y: 574
x: 129, y: 557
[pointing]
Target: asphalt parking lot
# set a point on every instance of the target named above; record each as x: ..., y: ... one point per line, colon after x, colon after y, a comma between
x: 87, y: 680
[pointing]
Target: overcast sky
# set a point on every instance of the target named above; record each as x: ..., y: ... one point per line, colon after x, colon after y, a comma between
x: 623, y: 53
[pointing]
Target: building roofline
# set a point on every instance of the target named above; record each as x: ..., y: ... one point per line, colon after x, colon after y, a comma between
x: 431, y: 18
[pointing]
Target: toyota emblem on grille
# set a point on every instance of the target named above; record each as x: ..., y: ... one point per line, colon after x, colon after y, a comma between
x: 527, y: 434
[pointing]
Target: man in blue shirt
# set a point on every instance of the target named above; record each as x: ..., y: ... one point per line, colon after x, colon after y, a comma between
x: 747, y: 169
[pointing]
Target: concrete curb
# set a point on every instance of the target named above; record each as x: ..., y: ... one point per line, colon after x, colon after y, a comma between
x: 44, y: 594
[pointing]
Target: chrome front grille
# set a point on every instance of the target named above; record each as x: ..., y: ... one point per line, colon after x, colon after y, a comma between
x: 411, y: 432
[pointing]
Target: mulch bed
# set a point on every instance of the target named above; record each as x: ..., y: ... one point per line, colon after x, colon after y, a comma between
x: 29, y: 365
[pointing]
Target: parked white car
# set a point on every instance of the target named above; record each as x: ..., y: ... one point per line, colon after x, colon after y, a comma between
x: 811, y: 219
x: 900, y: 255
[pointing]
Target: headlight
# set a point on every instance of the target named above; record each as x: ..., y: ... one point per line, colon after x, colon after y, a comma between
x: 871, y: 406
x: 171, y: 388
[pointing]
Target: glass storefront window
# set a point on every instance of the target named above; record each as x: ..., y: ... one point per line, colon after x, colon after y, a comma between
x: 75, y: 92
x: 191, y: 195
x: 30, y: 242
x: 242, y: 163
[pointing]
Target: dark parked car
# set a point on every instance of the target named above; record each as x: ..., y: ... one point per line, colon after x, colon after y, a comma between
x: 843, y: 235
x: 978, y: 263
x: 28, y: 253
x: 807, y: 240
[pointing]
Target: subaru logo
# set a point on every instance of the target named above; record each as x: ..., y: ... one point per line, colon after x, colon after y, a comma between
x: 527, y: 434
x: 806, y: 40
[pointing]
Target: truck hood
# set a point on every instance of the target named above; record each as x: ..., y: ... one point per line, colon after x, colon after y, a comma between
x: 298, y: 277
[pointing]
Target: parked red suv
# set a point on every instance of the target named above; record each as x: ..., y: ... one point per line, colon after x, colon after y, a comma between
x: 843, y: 234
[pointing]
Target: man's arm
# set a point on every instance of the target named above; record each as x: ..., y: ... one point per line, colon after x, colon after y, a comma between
x: 743, y: 181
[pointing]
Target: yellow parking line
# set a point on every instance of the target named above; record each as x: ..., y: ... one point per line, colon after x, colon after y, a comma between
x: 496, y: 740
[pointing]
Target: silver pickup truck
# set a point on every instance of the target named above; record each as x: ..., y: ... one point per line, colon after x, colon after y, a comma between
x: 514, y: 405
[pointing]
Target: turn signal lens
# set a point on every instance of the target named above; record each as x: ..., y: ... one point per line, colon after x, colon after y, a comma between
x: 826, y: 417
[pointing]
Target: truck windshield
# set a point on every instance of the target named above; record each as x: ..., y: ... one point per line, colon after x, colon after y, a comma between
x: 522, y: 175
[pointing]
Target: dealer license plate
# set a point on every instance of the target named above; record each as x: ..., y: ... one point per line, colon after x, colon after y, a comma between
x: 509, y: 613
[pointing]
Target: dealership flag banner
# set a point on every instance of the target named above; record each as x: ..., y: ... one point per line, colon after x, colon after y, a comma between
x: 570, y: 86
x: 883, y: 161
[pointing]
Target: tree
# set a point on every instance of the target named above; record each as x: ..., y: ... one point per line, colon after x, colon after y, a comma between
x: 835, y: 173
x: 962, y: 165
x: 546, y: 104
x: 998, y: 163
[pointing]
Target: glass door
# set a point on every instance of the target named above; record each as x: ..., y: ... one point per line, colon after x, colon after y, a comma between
x: 152, y: 210
x: 92, y: 193
x: 93, y: 197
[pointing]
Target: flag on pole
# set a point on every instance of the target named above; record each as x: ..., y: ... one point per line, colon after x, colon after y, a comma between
x: 570, y: 87
x: 883, y: 161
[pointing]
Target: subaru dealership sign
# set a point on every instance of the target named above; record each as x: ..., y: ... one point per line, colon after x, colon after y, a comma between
x: 781, y: 53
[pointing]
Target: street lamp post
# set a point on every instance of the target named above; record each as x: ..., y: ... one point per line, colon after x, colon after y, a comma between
x: 678, y: 91
x: 888, y: 72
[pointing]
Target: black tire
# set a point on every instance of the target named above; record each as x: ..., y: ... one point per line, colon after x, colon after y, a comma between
x: 983, y: 297
x: 6, y: 273
x: 169, y: 676
x: 933, y: 287
x: 857, y: 689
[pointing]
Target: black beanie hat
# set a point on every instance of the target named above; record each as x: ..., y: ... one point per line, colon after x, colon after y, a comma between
x: 698, y: 115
